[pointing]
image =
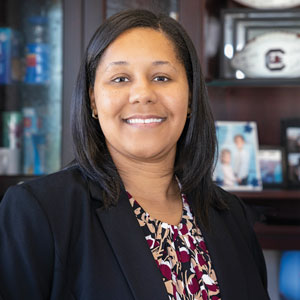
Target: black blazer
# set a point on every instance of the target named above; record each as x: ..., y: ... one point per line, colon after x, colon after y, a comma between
x: 57, y: 242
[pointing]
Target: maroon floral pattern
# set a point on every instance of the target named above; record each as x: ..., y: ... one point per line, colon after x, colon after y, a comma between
x: 181, y: 255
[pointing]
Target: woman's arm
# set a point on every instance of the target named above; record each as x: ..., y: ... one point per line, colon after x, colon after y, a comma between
x: 26, y: 247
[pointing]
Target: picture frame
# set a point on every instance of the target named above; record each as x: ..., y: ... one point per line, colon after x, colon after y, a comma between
x: 237, y: 166
x: 241, y: 25
x: 247, y: 29
x: 290, y: 140
x: 272, y: 166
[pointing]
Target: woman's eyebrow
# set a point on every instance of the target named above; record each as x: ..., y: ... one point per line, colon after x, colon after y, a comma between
x: 154, y: 63
x: 163, y: 62
x: 116, y: 63
x: 160, y: 62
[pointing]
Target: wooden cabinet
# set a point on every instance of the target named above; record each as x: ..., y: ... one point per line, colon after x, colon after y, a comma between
x: 265, y: 101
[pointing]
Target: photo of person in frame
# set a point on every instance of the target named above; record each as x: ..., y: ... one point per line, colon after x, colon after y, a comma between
x: 293, y: 139
x: 241, y: 160
x: 229, y: 177
x: 237, y: 165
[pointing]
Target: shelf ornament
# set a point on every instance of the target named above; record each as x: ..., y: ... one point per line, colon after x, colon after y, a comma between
x: 270, y: 55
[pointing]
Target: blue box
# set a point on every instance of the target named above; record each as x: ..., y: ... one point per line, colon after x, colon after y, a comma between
x: 10, y: 67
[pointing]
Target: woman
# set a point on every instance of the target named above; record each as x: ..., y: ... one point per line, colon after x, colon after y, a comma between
x: 137, y: 215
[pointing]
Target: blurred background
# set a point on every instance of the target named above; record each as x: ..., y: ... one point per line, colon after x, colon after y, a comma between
x: 41, y: 46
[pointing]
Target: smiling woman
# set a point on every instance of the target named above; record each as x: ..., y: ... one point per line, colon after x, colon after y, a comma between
x: 140, y: 95
x: 136, y: 215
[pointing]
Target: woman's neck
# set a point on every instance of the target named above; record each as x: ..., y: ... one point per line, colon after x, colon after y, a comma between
x: 153, y: 185
x: 148, y: 179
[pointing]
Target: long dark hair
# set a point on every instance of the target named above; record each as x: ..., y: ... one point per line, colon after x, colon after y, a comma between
x: 196, y: 147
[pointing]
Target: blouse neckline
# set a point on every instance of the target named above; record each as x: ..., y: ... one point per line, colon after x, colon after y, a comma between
x: 185, y: 214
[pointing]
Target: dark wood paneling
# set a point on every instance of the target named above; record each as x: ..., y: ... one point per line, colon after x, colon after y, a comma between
x: 191, y: 16
x: 72, y: 54
x: 93, y: 17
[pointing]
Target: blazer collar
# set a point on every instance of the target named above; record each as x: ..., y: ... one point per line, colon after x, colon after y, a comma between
x: 130, y: 248
x: 136, y: 260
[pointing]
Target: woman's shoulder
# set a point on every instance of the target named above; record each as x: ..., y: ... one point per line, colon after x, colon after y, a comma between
x: 231, y: 201
x: 70, y: 174
x: 64, y: 185
x: 58, y: 199
x: 235, y: 208
x: 237, y: 213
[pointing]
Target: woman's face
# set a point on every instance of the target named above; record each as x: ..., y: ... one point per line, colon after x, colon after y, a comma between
x: 141, y: 95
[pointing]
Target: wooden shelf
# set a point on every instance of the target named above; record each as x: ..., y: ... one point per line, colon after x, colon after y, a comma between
x: 281, y: 237
x: 277, y: 206
x: 273, y: 195
x: 266, y: 102
x: 280, y: 210
x: 257, y: 82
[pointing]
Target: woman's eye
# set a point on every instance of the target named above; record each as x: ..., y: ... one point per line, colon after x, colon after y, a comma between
x: 161, y: 78
x: 120, y: 79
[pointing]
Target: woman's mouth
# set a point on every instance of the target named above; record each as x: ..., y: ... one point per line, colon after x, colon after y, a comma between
x: 144, y: 121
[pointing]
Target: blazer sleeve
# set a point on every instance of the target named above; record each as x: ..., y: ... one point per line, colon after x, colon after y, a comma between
x: 26, y: 247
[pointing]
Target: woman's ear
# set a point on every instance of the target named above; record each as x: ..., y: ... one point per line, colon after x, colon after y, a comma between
x: 93, y: 103
x: 92, y: 99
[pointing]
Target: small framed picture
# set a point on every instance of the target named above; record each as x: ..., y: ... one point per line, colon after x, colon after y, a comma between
x: 272, y: 166
x: 290, y: 137
x: 237, y: 167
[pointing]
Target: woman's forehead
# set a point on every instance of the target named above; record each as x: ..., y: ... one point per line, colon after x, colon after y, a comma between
x: 140, y: 42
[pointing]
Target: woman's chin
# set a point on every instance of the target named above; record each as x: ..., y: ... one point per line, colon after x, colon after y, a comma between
x: 142, y: 151
x: 147, y: 154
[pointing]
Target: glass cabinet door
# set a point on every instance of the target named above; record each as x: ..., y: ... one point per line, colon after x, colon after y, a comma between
x: 169, y: 7
x: 30, y: 86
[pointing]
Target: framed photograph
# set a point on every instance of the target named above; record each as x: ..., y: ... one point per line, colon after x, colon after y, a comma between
x: 242, y: 25
x: 290, y: 137
x: 272, y: 166
x: 237, y: 167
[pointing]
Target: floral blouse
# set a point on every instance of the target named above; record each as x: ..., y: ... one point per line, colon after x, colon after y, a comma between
x: 181, y: 255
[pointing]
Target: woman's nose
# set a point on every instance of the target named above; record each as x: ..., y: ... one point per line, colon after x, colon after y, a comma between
x: 142, y: 92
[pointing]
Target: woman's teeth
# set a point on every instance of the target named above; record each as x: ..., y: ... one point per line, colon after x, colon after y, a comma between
x: 143, y: 121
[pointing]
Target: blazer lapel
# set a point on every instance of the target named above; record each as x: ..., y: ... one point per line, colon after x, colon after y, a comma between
x: 225, y: 258
x: 131, y: 249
